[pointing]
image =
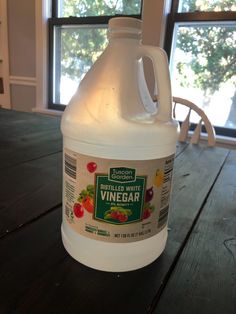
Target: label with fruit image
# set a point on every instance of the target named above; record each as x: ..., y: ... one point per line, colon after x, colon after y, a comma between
x: 119, y: 196
x: 116, y: 200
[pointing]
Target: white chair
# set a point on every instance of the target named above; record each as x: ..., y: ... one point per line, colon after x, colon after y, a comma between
x: 184, y: 129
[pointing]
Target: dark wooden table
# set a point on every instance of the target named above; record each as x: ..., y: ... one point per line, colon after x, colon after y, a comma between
x: 195, y: 274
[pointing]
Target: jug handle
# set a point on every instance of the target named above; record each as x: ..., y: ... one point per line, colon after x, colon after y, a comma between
x: 162, y: 76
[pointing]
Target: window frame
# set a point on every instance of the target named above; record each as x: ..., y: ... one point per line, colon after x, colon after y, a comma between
x: 54, y: 21
x: 196, y: 17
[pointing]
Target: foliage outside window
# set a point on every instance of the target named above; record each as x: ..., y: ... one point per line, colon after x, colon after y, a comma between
x: 77, y: 38
x: 203, y: 58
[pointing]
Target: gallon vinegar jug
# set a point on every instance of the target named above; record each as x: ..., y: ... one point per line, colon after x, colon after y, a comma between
x: 118, y: 154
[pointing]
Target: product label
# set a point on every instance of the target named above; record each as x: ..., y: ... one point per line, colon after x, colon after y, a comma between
x: 116, y: 200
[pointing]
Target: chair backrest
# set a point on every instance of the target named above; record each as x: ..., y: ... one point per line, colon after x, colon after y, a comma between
x: 203, y: 119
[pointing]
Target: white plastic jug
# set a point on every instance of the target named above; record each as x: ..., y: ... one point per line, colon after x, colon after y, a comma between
x: 118, y: 151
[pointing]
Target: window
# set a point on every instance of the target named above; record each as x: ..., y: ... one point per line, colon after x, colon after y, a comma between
x: 201, y: 41
x: 77, y: 36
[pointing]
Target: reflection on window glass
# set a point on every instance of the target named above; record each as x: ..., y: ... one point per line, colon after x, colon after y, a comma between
x: 96, y: 8
x: 204, y: 69
x: 206, y: 5
x: 76, y: 49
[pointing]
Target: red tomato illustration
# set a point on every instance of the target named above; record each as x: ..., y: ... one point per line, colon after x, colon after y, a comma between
x: 78, y: 210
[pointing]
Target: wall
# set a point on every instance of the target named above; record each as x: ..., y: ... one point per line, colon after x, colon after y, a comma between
x: 22, y: 63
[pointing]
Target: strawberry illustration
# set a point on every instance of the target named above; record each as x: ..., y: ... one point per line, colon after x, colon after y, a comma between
x: 146, y: 213
x: 148, y: 210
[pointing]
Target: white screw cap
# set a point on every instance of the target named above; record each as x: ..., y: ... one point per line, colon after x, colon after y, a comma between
x: 125, y: 22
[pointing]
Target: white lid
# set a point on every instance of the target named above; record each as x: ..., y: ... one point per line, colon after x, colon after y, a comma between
x: 125, y: 22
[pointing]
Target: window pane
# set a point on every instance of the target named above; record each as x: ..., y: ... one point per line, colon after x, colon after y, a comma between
x: 75, y: 50
x: 97, y: 8
x: 206, y: 5
x: 203, y: 67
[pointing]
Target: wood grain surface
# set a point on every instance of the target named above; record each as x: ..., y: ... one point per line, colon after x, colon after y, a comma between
x: 204, y: 279
x: 195, y: 274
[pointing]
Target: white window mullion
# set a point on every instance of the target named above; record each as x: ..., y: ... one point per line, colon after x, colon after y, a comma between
x: 42, y: 13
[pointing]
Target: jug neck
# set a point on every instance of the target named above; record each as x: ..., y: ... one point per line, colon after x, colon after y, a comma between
x: 120, y: 34
x: 124, y: 43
